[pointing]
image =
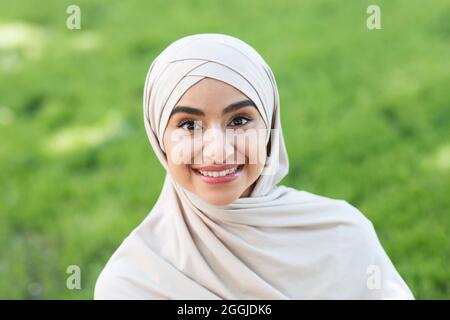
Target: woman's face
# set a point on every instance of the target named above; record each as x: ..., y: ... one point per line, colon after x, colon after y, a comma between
x: 215, y: 142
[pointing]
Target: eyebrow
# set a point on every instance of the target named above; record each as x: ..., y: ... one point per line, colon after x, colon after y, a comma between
x: 232, y: 107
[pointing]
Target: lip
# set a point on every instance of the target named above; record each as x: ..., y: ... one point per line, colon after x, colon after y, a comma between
x: 215, y: 180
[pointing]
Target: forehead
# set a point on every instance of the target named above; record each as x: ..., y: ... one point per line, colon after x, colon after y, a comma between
x: 211, y: 93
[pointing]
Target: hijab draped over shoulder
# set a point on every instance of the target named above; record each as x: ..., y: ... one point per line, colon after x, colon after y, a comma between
x: 278, y: 243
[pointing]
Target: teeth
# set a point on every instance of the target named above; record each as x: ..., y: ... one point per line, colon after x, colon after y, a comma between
x: 218, y: 173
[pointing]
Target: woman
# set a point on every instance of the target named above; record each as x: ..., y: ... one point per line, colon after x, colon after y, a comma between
x: 222, y: 228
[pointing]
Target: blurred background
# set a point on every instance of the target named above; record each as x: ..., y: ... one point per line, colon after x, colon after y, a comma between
x: 365, y: 114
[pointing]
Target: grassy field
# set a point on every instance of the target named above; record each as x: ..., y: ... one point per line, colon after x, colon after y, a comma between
x: 366, y: 117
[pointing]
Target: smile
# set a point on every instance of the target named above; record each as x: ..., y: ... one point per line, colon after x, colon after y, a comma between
x: 218, y: 174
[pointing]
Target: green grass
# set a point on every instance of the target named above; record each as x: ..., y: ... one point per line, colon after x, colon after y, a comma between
x: 366, y: 118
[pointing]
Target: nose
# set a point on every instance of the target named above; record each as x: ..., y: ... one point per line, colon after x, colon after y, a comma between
x: 217, y: 148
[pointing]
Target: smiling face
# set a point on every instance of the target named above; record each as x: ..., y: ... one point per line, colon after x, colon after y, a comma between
x: 215, y: 142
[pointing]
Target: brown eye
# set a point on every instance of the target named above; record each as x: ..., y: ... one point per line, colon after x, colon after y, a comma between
x: 240, y: 121
x: 190, y: 125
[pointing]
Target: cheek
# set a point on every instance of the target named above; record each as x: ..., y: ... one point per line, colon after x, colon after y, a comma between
x: 178, y: 147
x: 255, y: 154
x: 181, y: 173
x: 252, y: 174
x: 178, y: 156
x: 254, y: 151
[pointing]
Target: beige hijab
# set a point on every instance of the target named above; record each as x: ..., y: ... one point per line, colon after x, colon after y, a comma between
x: 279, y: 243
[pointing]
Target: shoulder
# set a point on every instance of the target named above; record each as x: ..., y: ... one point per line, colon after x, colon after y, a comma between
x: 107, y: 286
x: 118, y: 279
x: 362, y: 265
x: 339, y: 210
x: 349, y: 228
x: 110, y: 283
x: 131, y: 271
